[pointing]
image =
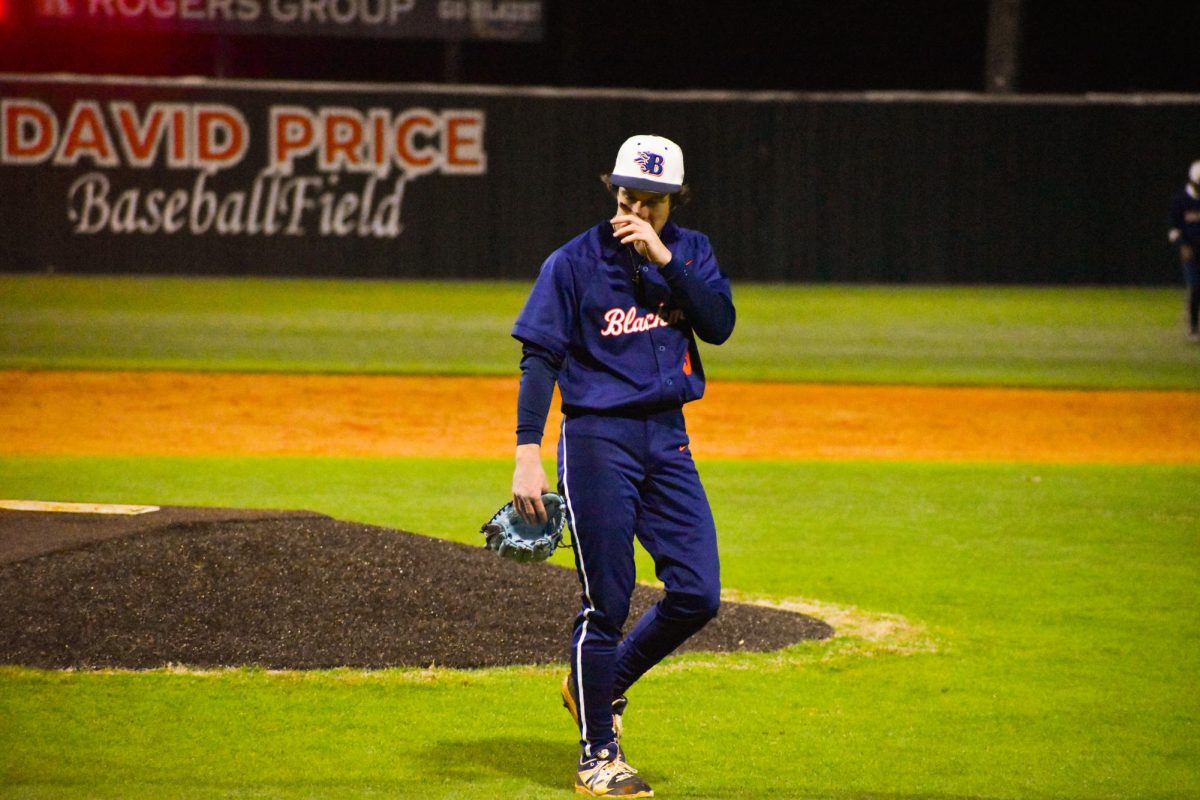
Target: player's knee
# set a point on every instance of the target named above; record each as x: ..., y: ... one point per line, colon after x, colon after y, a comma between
x: 711, y: 605
x: 608, y: 620
x: 697, y: 607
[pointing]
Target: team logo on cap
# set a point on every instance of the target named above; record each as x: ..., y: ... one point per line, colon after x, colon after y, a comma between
x: 650, y: 163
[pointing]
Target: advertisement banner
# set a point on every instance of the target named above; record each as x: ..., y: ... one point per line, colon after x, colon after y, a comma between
x: 177, y: 178
x: 513, y: 20
x: 187, y: 176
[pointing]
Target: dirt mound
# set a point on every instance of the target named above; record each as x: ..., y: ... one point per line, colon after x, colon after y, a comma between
x: 220, y: 587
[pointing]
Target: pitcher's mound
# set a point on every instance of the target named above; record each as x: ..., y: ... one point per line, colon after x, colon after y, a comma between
x: 295, y: 590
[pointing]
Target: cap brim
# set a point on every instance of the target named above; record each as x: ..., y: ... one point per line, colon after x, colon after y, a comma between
x: 644, y: 184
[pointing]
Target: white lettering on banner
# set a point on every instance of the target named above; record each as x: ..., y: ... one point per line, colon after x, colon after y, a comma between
x: 506, y: 11
x: 211, y: 138
x: 275, y: 205
x: 488, y: 11
x: 623, y: 321
x: 339, y: 12
x: 192, y: 10
x: 302, y: 15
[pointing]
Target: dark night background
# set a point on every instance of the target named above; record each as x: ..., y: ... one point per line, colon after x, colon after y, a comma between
x: 1068, y: 46
x: 1060, y: 174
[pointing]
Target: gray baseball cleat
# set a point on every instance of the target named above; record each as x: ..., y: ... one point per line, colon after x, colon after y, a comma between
x: 608, y: 774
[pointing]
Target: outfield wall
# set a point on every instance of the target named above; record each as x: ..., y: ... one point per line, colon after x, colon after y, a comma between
x: 191, y: 176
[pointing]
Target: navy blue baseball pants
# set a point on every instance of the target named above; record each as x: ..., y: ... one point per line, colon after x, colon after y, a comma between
x: 621, y: 476
x: 1191, y: 277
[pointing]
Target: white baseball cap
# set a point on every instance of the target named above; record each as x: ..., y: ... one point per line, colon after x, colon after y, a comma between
x: 650, y: 164
x: 1194, y: 172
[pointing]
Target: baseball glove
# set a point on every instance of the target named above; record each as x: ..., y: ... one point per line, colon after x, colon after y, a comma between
x: 518, y: 540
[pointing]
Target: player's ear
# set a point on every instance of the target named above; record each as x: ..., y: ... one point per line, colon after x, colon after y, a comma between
x: 606, y: 179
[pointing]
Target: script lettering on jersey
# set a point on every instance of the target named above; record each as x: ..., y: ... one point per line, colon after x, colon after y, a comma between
x: 621, y: 321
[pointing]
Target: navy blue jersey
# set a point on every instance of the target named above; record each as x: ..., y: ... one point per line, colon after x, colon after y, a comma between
x: 1185, y: 217
x: 616, y: 322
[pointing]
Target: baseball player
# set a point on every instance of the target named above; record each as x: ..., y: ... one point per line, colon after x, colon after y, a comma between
x: 613, y: 318
x: 1184, y: 233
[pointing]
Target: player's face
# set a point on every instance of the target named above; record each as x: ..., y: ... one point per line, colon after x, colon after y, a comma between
x: 650, y: 206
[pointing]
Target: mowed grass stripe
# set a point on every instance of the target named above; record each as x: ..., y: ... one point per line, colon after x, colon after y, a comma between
x: 1018, y: 336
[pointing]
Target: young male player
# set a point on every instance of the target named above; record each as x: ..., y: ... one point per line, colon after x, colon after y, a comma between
x: 1184, y: 233
x: 613, y: 318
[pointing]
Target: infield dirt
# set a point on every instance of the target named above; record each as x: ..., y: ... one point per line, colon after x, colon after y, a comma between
x: 175, y: 413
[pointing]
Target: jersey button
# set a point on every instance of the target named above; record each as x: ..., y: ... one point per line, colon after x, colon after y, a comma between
x: 661, y: 347
x: 670, y: 381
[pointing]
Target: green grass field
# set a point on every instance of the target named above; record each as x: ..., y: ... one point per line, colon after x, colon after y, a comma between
x: 1059, y: 636
x: 1090, y: 337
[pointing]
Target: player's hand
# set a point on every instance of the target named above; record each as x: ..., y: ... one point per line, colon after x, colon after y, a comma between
x: 1186, y: 253
x: 529, y: 484
x: 632, y: 229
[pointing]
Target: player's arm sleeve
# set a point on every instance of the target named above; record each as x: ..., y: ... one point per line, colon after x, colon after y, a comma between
x: 539, y: 370
x: 1175, y: 223
x: 544, y: 330
x: 704, y: 294
x: 548, y: 317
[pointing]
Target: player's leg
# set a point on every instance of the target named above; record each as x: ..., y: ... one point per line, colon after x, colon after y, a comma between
x: 1191, y: 275
x: 598, y: 476
x: 676, y: 527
